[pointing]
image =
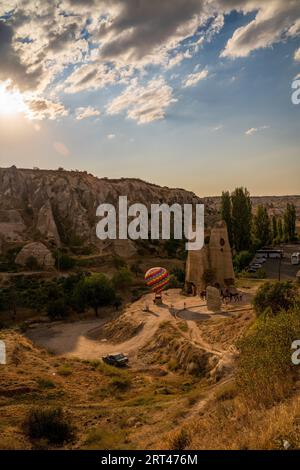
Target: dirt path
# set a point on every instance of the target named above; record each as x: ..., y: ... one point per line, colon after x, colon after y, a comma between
x: 79, y: 339
x: 76, y: 339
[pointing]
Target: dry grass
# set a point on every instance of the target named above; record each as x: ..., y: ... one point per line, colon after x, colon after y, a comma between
x: 156, y: 407
x: 109, y: 407
x: 232, y: 424
x: 169, y: 347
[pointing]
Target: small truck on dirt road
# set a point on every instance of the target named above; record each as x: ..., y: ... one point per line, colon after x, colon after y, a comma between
x: 117, y: 359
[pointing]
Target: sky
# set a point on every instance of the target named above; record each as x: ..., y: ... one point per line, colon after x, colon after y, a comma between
x: 193, y: 94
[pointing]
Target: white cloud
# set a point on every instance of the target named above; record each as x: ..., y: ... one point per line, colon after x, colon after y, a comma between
x: 144, y: 103
x: 251, y: 131
x: 193, y: 78
x: 40, y: 108
x: 254, y: 130
x: 175, y: 60
x: 90, y: 77
x: 217, y: 128
x: 111, y: 136
x: 274, y: 20
x: 61, y: 148
x: 41, y: 42
x: 297, y: 55
x: 86, y: 112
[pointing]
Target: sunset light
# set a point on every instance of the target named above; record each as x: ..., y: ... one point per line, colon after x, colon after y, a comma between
x: 11, y: 100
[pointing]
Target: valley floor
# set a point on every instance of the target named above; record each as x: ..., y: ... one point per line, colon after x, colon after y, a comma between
x: 179, y: 391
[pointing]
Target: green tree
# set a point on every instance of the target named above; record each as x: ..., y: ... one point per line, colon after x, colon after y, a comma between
x: 179, y: 274
x: 94, y: 291
x: 280, y: 229
x: 57, y: 308
x: 122, y: 279
x: 274, y: 228
x: 290, y: 222
x: 262, y: 226
x: 242, y: 260
x: 241, y: 219
x: 136, y: 269
x: 226, y: 213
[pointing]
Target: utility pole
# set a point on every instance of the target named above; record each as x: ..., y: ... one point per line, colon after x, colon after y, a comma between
x: 279, y: 267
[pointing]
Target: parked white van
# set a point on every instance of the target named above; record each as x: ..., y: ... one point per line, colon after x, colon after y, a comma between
x: 295, y: 258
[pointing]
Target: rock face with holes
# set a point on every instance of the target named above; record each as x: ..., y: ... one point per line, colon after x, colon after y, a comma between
x: 58, y: 207
x: 220, y: 255
x: 212, y: 265
x: 38, y: 251
x: 213, y: 299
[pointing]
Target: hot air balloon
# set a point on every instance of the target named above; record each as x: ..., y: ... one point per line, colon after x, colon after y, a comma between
x: 157, y: 279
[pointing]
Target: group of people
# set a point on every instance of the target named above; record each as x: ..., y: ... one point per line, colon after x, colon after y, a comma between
x: 228, y: 294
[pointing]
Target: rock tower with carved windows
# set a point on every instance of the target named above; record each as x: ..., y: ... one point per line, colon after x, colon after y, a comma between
x: 212, y: 265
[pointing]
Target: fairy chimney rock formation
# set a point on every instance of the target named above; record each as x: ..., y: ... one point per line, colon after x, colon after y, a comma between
x: 212, y: 264
x: 38, y: 251
x: 220, y: 255
x: 46, y: 224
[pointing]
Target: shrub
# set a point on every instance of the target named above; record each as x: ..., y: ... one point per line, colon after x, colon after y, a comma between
x: 105, y: 438
x: 242, y: 260
x: 65, y: 370
x: 226, y: 392
x: 260, y: 274
x: 180, y: 440
x: 48, y: 423
x: 120, y: 384
x: 265, y: 370
x: 64, y: 262
x: 275, y: 296
x: 45, y: 383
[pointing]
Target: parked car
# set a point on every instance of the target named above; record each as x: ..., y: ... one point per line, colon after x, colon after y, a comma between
x: 117, y: 359
x: 260, y: 260
x: 256, y: 265
x: 252, y: 270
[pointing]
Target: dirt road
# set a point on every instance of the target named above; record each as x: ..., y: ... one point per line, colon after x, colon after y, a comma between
x: 76, y: 339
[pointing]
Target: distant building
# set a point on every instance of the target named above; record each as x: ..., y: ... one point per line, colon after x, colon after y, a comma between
x: 266, y: 253
x: 213, y: 262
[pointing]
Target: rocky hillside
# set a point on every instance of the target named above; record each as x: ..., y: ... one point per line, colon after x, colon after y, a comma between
x: 59, y: 207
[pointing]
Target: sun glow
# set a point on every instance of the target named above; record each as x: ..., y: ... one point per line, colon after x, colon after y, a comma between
x: 11, y: 100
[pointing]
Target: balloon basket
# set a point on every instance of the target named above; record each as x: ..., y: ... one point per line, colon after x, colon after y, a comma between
x: 158, y: 299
